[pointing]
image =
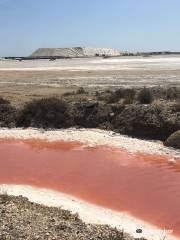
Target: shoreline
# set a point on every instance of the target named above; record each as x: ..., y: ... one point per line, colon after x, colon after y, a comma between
x: 93, y: 137
x: 89, y: 213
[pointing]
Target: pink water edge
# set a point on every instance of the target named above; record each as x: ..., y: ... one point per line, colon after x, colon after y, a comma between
x: 144, y: 185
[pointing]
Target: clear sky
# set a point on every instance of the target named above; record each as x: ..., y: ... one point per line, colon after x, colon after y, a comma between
x: 133, y: 25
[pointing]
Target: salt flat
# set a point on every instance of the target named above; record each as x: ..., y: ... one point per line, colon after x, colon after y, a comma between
x: 25, y: 80
x: 93, y: 64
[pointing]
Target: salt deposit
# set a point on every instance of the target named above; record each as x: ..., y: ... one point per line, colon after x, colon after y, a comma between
x: 88, y: 212
x: 93, y: 137
x: 75, y: 52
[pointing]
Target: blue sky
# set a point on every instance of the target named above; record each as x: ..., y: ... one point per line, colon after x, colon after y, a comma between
x: 134, y: 25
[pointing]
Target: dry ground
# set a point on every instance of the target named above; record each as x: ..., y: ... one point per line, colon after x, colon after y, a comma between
x: 21, y: 86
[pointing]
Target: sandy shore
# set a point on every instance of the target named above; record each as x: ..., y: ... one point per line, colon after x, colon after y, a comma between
x: 89, y: 213
x: 93, y: 137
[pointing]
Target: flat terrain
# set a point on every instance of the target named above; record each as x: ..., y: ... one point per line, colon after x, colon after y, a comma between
x: 22, y: 81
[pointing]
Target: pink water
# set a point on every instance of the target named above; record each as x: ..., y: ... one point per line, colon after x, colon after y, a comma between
x: 147, y: 186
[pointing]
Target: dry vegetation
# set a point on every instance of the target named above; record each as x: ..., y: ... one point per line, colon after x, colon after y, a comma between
x: 145, y: 113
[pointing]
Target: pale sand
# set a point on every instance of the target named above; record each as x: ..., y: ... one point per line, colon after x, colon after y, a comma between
x: 89, y: 213
x: 85, y: 69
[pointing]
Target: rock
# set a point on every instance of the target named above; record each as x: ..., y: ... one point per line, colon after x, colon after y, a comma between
x: 173, y: 140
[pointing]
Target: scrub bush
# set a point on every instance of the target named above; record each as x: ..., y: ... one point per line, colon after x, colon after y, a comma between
x: 145, y: 96
x: 44, y: 113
